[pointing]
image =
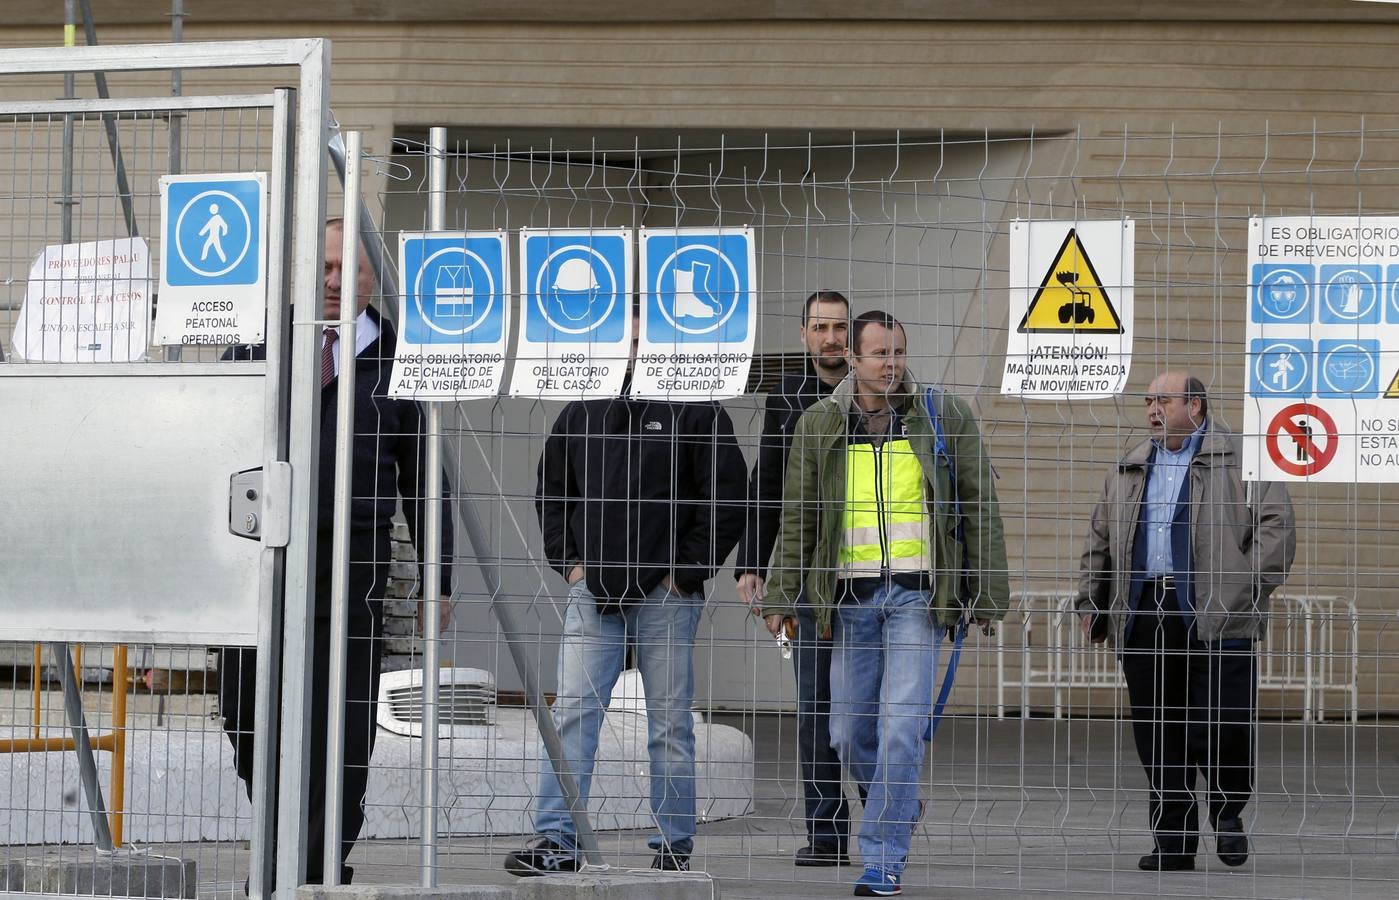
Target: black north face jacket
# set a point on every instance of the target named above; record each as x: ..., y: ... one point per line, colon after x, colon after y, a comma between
x: 635, y: 490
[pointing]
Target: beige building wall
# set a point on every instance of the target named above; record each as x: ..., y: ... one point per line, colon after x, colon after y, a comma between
x: 1189, y: 125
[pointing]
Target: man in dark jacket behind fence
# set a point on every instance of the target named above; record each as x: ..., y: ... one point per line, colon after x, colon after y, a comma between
x: 824, y: 324
x: 639, y: 503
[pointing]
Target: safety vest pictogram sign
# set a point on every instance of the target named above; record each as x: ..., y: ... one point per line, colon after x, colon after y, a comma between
x: 1071, y: 298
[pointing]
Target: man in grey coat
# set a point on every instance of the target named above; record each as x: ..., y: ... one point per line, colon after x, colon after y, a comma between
x: 1179, y: 564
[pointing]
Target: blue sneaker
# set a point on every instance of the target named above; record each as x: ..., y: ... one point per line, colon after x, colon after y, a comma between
x: 875, y: 883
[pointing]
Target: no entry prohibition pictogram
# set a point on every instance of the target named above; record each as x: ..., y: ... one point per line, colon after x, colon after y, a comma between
x: 1313, y: 437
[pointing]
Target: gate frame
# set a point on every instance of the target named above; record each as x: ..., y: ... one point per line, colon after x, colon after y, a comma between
x: 287, y: 573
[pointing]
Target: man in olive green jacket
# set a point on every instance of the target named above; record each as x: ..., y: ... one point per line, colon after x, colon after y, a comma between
x: 893, y: 551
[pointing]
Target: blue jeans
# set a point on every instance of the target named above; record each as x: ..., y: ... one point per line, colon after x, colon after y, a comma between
x: 591, y: 656
x: 877, y: 723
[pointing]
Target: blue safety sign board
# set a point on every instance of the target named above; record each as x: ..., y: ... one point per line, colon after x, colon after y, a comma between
x: 1322, y: 349
x: 456, y: 287
x: 1391, y: 293
x: 1348, y: 368
x: 575, y: 286
x: 1282, y: 294
x: 1350, y: 295
x: 697, y: 286
x: 213, y: 231
x: 1280, y: 368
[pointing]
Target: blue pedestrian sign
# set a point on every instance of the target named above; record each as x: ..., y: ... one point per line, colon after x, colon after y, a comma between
x: 456, y: 287
x: 1280, y: 368
x: 213, y: 253
x: 213, y: 232
x: 699, y: 311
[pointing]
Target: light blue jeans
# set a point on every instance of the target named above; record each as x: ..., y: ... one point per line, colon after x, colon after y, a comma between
x: 882, y: 676
x: 591, y: 656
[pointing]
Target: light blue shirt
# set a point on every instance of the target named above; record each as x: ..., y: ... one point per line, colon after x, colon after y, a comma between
x: 1169, y: 469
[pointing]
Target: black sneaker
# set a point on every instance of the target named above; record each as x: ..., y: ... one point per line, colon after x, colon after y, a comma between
x: 822, y: 853
x: 668, y: 860
x: 543, y: 857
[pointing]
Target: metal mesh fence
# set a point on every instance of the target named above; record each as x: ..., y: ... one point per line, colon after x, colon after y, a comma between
x: 88, y: 180
x: 1032, y: 782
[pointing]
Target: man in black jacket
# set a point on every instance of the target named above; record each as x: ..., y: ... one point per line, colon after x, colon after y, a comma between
x: 639, y: 503
x: 387, y: 464
x: 824, y: 324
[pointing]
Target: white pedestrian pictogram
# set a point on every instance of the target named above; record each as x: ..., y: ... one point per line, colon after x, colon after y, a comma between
x: 213, y: 233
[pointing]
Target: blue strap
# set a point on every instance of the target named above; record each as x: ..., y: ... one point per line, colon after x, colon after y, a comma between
x: 948, y: 678
x: 940, y: 449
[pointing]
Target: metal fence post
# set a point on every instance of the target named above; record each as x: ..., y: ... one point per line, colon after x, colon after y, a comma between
x: 87, y: 764
x: 432, y: 551
x: 307, y: 263
x: 340, y: 548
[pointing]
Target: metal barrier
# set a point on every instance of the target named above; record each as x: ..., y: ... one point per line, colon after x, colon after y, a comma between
x: 135, y: 535
x: 114, y: 742
x: 1311, y: 647
x: 1004, y: 810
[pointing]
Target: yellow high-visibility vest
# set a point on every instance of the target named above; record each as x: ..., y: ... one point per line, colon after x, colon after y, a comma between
x: 885, y: 520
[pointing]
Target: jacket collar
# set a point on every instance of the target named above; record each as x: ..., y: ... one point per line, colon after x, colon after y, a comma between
x: 1215, y: 443
x: 843, y: 396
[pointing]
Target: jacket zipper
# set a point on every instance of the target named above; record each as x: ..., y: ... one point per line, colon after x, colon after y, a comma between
x: 879, y: 509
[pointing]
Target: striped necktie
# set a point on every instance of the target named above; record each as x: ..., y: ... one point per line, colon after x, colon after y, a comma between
x: 328, y: 356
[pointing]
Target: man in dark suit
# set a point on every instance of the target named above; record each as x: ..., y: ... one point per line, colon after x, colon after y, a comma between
x: 824, y: 324
x: 388, y: 463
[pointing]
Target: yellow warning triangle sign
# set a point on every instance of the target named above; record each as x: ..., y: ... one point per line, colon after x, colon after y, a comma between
x: 1392, y: 392
x: 1071, y: 297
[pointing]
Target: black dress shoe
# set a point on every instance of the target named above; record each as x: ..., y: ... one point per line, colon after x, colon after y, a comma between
x: 820, y: 853
x: 1231, y: 843
x: 1167, y: 862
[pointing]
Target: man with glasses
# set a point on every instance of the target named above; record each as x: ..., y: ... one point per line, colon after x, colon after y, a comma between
x: 1180, y: 561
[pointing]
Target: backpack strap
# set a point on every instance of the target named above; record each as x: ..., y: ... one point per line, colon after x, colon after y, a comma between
x: 941, y: 450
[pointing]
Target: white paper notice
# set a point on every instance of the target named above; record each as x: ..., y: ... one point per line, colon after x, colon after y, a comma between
x: 87, y: 302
